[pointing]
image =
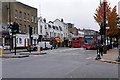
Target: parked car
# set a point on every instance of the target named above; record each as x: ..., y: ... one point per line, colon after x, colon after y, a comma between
x: 45, y: 45
x: 115, y: 44
x: 33, y: 48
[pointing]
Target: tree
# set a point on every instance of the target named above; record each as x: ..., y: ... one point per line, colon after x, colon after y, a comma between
x: 111, y: 16
x: 112, y: 23
x: 99, y: 13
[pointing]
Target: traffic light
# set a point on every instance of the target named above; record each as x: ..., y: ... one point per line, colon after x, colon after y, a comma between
x: 14, y: 28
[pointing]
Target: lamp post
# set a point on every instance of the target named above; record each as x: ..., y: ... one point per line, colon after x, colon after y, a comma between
x: 104, y: 28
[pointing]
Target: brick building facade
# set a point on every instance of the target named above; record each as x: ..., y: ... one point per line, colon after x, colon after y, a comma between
x: 22, y: 14
x: 25, y: 16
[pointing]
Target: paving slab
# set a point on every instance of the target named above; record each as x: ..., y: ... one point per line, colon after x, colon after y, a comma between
x: 111, y: 56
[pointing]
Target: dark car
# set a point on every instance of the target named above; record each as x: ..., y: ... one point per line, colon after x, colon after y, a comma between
x: 32, y: 48
x: 115, y: 44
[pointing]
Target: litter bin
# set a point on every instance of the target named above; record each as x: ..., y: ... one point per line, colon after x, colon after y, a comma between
x: 39, y: 49
x: 1, y: 50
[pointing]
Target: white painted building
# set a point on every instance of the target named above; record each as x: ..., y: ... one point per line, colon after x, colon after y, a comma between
x: 42, y: 27
x: 81, y: 33
x: 52, y: 29
x: 119, y: 13
x: 63, y: 32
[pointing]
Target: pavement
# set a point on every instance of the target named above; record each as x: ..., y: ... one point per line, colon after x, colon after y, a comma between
x: 20, y: 53
x: 111, y: 56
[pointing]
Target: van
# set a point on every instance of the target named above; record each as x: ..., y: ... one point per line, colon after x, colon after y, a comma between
x: 45, y: 45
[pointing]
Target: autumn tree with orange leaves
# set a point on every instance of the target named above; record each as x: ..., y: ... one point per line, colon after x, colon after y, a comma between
x: 112, y: 23
x: 111, y: 16
x: 99, y: 13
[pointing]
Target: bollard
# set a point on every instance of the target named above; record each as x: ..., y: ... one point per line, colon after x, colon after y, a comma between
x: 1, y: 51
x: 39, y: 49
x: 98, y: 54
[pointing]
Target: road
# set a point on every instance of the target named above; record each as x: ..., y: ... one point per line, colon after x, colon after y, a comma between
x: 59, y: 63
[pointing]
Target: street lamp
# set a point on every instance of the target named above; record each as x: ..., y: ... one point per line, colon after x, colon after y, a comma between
x: 104, y: 28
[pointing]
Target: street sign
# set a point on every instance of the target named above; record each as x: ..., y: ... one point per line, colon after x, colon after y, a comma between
x: 107, y: 27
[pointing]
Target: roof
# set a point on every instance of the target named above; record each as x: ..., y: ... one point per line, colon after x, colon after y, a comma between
x: 26, y: 5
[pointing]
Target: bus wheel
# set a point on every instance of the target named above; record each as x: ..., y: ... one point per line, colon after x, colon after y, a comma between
x: 86, y: 48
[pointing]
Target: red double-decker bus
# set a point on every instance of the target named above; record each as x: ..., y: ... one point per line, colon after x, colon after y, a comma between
x: 90, y: 39
x: 77, y: 41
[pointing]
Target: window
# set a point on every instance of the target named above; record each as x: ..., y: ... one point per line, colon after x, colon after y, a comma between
x: 34, y: 30
x: 53, y: 27
x: 32, y: 19
x: 57, y: 28
x: 45, y: 27
x: 20, y: 41
x: 41, y: 28
x: 50, y: 34
x: 49, y: 25
x: 28, y: 28
x: 20, y: 16
x: 20, y: 28
x: 35, y: 19
x: 24, y: 16
x: 15, y: 14
x: 28, y: 17
x: 60, y: 28
x: 24, y: 28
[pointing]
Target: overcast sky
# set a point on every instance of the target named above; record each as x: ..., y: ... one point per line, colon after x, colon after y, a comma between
x: 78, y: 12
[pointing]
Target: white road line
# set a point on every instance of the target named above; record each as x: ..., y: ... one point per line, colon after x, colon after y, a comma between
x: 83, y: 51
x: 89, y: 58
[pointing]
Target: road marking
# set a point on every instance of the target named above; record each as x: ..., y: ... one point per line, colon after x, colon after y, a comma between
x: 83, y: 51
x: 89, y: 58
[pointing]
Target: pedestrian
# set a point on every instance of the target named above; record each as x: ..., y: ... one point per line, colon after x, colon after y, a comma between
x: 101, y: 49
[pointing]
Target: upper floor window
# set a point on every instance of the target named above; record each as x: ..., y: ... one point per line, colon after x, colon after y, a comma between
x: 24, y: 28
x: 40, y: 28
x: 32, y: 18
x: 28, y: 28
x: 24, y: 16
x: 20, y: 28
x: 15, y: 14
x: 50, y: 34
x: 28, y: 17
x: 34, y: 30
x: 35, y: 19
x: 20, y: 15
x: 45, y: 27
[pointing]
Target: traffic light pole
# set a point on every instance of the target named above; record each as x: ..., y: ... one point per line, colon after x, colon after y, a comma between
x: 10, y: 23
x: 15, y: 45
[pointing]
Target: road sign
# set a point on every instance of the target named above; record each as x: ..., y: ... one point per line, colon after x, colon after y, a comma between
x: 107, y: 27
